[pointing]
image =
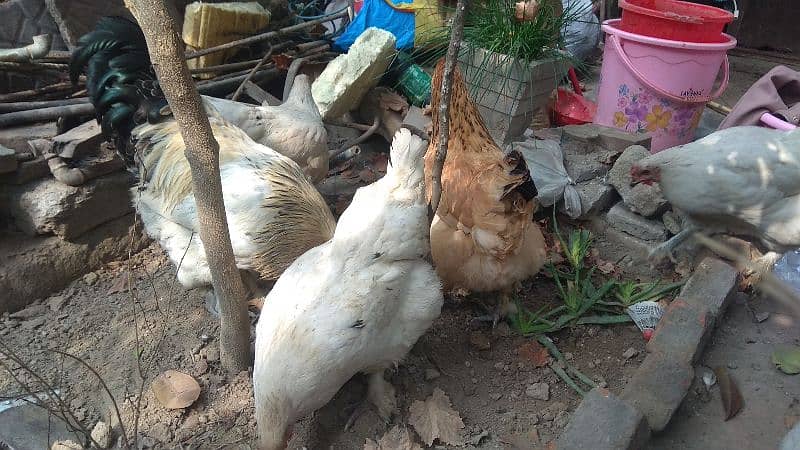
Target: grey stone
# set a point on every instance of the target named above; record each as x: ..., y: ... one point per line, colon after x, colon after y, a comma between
x: 66, y: 445
x: 29, y: 312
x: 54, y: 262
x: 641, y: 198
x: 8, y: 160
x: 596, y: 197
x: 630, y: 353
x: 658, y: 388
x: 101, y: 434
x: 672, y: 222
x: 682, y: 332
x: 584, y: 167
x: 538, y: 391
x: 17, y: 138
x: 415, y: 118
x: 625, y: 220
x: 604, y: 422
x: 79, y: 142
x: 431, y: 374
x: 346, y: 79
x: 711, y: 286
x: 212, y: 354
x: 49, y: 206
x: 27, y: 171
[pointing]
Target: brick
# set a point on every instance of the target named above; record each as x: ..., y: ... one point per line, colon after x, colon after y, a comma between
x: 658, y: 388
x: 682, y: 332
x: 8, y: 160
x: 625, y: 220
x: 641, y: 198
x: 604, y: 422
x: 711, y: 286
x: 596, y: 197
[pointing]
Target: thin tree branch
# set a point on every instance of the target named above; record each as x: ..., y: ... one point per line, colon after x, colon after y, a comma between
x: 202, y: 153
x: 250, y: 74
x: 457, y: 31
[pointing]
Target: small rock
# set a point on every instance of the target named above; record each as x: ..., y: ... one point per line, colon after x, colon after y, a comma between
x: 56, y: 302
x: 496, y: 396
x: 90, y: 278
x: 205, y: 338
x: 672, y: 222
x: 467, y: 364
x: 160, y: 432
x: 640, y: 198
x: 568, y: 356
x: 101, y: 434
x: 431, y: 374
x: 538, y: 391
x: 629, y: 222
x: 66, y: 445
x: 474, y: 381
x: 212, y: 354
x: 479, y: 340
x: 201, y: 366
x: 591, y: 365
x: 35, y: 323
x: 561, y: 420
x: 499, y: 366
x: 476, y: 439
x: 762, y: 316
x: 630, y: 353
x: 29, y: 312
x: 147, y: 442
x: 533, y: 418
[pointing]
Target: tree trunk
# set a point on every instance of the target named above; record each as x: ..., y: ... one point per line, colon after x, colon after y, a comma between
x: 202, y: 152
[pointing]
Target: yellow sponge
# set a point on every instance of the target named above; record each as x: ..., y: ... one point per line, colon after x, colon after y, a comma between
x: 210, y: 24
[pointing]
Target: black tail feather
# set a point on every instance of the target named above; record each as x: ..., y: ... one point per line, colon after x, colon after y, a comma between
x: 119, y: 78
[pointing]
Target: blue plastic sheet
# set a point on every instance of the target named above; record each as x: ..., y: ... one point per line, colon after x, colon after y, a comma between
x: 379, y: 14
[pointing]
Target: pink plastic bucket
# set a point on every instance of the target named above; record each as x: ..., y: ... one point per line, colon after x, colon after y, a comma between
x: 656, y: 86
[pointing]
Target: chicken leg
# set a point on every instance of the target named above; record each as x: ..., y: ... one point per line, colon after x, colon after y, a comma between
x: 665, y: 250
x: 504, y: 308
x: 381, y: 394
x: 254, y: 290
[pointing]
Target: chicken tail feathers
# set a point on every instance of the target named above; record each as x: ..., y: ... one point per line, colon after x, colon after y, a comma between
x: 119, y: 79
x: 406, y: 155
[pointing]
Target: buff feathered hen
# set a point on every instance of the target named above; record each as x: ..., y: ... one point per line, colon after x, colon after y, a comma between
x: 274, y: 213
x: 483, y: 238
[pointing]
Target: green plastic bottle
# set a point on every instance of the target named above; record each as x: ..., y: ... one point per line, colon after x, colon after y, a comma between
x: 410, y: 79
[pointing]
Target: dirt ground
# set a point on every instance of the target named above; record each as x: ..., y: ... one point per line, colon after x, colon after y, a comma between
x: 97, y: 319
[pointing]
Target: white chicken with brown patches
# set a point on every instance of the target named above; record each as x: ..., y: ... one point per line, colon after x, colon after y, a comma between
x: 357, y: 303
x: 274, y: 213
x: 742, y: 181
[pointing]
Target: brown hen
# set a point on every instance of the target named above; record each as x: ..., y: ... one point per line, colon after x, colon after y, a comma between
x: 483, y: 237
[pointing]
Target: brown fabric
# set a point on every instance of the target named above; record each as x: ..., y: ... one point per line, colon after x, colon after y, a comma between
x: 777, y: 92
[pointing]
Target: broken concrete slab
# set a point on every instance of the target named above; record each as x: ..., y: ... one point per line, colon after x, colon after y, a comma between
x: 346, y: 79
x: 641, y: 198
x: 8, y: 160
x: 26, y: 172
x: 596, y: 197
x: 54, y: 263
x: 49, y: 206
x: 658, y: 388
x: 625, y: 220
x: 79, y: 142
x: 604, y: 422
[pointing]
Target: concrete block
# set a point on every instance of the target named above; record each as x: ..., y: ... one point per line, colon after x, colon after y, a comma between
x: 625, y: 220
x: 49, y: 206
x: 604, y: 422
x: 79, y: 142
x: 682, y: 332
x: 711, y: 286
x: 343, y: 83
x: 596, y: 197
x: 26, y: 172
x: 54, y: 263
x: 641, y: 198
x: 8, y: 160
x: 658, y: 388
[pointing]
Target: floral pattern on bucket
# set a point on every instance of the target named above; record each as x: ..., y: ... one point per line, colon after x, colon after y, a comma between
x: 639, y: 111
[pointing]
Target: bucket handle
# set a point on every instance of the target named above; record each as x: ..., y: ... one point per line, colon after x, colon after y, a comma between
x: 642, y: 79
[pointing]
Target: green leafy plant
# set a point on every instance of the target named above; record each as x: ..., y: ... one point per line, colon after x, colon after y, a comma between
x: 629, y: 292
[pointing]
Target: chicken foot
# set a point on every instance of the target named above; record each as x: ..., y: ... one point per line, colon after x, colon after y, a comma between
x: 504, y: 308
x: 665, y: 250
x: 381, y: 395
x: 251, y: 283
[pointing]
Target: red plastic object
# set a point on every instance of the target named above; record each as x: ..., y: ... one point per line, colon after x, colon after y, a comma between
x: 572, y: 108
x: 674, y: 20
x: 357, y: 5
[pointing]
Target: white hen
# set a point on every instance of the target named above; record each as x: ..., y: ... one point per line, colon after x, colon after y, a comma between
x: 293, y: 128
x: 743, y: 181
x: 357, y: 303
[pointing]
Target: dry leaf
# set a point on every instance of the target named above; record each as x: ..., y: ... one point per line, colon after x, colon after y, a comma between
x: 436, y: 419
x: 175, y: 390
x: 398, y: 438
x: 535, y: 353
x: 732, y: 400
x: 604, y: 266
x: 282, y: 61
x: 392, y: 101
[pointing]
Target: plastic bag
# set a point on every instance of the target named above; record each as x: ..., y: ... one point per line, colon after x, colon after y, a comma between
x: 546, y: 164
x: 582, y: 35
